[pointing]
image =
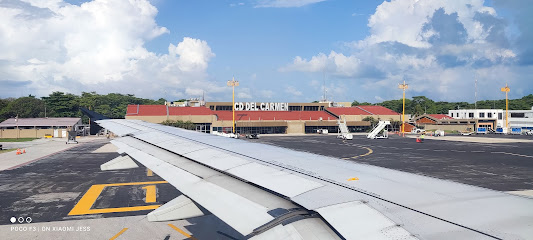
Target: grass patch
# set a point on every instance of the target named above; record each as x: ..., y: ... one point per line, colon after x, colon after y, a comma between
x: 7, y: 150
x: 16, y: 139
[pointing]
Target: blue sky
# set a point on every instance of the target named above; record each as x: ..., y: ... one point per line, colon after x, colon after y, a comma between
x: 279, y: 50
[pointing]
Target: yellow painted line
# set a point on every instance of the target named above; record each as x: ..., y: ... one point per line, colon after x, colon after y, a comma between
x: 150, y: 193
x: 149, y: 172
x: 353, y: 179
x: 362, y: 155
x: 133, y: 183
x: 87, y: 201
x: 118, y: 234
x: 89, y: 198
x: 368, y: 153
x: 182, y: 232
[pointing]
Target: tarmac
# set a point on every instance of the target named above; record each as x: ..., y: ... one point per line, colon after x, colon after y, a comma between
x: 43, y: 192
x: 502, y: 164
x: 48, y: 182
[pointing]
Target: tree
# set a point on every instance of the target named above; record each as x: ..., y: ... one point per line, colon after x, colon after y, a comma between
x: 356, y: 103
x: 24, y: 107
x: 180, y: 124
x: 59, y: 104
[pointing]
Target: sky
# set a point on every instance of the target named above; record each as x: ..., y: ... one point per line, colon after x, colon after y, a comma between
x: 278, y: 50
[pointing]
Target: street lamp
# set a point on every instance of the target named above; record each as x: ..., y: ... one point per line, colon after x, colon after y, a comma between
x: 506, y: 89
x: 404, y: 87
x: 232, y: 83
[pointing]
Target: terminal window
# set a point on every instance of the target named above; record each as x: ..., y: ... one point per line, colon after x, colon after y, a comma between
x: 224, y: 108
x: 517, y: 115
x: 310, y: 108
x: 471, y: 115
x: 489, y: 115
x: 481, y: 115
x: 295, y: 108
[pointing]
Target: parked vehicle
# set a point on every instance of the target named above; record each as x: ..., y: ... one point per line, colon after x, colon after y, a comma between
x: 252, y: 136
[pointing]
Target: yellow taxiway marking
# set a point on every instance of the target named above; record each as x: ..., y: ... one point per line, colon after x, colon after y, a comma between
x: 366, y: 154
x: 149, y: 172
x: 118, y: 234
x: 150, y: 193
x: 89, y: 198
x: 182, y: 232
x: 353, y: 179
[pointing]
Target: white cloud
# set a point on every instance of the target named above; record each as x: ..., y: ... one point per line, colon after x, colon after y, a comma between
x: 243, y: 93
x: 97, y: 46
x: 293, y: 91
x: 286, y: 3
x: 336, y: 63
x: 403, y: 21
x: 438, y: 47
x: 236, y: 4
x: 266, y: 93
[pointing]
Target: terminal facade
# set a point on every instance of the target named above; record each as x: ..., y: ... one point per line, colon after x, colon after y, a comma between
x: 495, y: 118
x: 265, y: 117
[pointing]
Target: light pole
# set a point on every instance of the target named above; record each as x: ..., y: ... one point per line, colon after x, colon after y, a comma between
x: 404, y: 87
x: 232, y: 83
x: 506, y: 89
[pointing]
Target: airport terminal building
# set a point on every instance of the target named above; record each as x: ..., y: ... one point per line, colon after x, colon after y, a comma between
x: 264, y: 117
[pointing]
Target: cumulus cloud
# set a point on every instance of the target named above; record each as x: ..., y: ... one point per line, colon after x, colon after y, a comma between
x: 437, y: 46
x: 293, y: 91
x: 286, y: 3
x: 266, y: 93
x: 96, y: 46
x: 336, y: 63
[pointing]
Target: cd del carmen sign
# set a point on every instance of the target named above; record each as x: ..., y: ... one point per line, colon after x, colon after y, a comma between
x: 255, y: 106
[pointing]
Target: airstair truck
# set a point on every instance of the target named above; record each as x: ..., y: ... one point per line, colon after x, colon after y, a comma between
x: 380, y: 127
x: 343, y: 130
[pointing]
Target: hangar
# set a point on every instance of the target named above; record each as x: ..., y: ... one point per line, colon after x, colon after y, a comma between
x: 37, y: 127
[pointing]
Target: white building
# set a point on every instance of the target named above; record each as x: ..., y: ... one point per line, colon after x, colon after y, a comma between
x: 517, y: 118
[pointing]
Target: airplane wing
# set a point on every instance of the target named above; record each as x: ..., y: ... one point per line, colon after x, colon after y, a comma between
x: 268, y: 192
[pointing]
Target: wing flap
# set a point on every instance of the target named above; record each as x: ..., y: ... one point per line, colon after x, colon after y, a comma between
x: 238, y: 212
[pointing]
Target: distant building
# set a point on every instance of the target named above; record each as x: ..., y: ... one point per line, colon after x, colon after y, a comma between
x: 37, y: 127
x: 495, y: 118
x: 444, y: 122
x: 263, y: 117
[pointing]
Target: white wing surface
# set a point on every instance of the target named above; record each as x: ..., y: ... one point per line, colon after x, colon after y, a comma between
x: 268, y: 192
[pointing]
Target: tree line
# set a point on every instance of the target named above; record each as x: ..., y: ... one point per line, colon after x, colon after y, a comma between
x: 60, y: 104
x: 113, y: 105
x: 420, y: 105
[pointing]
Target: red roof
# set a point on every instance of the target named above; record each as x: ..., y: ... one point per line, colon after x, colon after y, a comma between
x: 274, y: 115
x: 347, y: 111
x: 379, y: 110
x: 161, y: 110
x: 440, y: 116
x: 362, y: 110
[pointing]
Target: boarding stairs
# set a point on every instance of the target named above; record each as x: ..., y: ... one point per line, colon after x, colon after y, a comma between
x: 374, y: 133
x: 343, y: 130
